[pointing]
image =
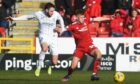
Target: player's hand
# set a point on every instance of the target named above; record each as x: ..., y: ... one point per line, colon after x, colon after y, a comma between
x: 58, y: 29
x: 9, y: 18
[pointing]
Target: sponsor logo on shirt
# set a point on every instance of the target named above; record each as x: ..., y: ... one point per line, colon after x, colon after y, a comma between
x: 83, y: 29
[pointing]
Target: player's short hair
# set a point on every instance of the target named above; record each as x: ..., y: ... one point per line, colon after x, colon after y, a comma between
x: 79, y: 12
x: 135, y: 10
x: 49, y: 5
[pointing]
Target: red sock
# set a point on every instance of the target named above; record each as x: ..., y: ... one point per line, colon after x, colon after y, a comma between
x: 96, y: 65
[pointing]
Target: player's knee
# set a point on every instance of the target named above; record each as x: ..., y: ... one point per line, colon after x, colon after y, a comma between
x: 98, y: 54
x: 44, y: 49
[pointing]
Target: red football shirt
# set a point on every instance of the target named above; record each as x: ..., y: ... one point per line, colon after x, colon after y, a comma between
x: 81, y: 34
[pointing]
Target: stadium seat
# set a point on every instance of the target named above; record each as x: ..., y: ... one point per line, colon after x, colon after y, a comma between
x: 2, y: 31
x: 93, y: 27
x: 103, y: 32
x: 105, y: 24
x: 2, y: 34
x: 136, y: 33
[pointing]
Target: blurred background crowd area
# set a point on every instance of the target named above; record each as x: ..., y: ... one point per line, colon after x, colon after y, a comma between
x: 123, y: 18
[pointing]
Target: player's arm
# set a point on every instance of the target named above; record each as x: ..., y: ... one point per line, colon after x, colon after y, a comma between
x: 98, y: 19
x: 67, y: 28
x: 60, y: 27
x: 23, y: 17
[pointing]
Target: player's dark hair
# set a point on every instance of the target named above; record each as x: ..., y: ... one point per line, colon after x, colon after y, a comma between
x: 48, y: 6
x: 79, y: 11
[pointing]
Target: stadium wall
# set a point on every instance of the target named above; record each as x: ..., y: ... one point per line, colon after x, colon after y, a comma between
x: 28, y: 62
x: 125, y: 51
x: 118, y: 54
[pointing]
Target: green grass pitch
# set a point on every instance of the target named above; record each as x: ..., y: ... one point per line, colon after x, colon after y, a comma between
x: 78, y: 77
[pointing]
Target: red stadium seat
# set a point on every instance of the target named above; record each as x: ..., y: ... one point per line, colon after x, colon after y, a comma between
x: 3, y: 34
x: 136, y: 33
x: 2, y: 31
x: 103, y: 32
x: 93, y: 27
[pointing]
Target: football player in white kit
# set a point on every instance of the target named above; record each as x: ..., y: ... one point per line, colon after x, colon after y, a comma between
x: 47, y: 34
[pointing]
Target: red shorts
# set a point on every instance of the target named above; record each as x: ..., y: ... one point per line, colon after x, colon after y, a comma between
x: 79, y: 52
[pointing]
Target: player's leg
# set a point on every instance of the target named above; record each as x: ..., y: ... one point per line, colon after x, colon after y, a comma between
x: 51, y: 63
x: 54, y: 59
x: 76, y: 58
x: 54, y: 52
x: 44, y: 49
x: 74, y: 63
x: 96, y: 63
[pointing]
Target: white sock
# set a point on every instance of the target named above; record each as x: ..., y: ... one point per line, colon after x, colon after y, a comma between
x: 41, y: 59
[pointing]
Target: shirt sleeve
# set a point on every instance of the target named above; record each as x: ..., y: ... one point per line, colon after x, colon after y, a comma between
x: 59, y: 17
x: 24, y: 17
x: 27, y: 17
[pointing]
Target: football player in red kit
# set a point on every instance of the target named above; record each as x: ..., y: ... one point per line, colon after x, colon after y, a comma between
x: 93, y: 8
x: 84, y: 45
x: 136, y: 4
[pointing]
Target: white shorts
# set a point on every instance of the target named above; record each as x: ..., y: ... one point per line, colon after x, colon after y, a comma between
x: 51, y: 41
